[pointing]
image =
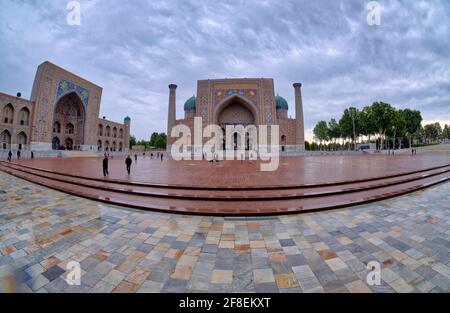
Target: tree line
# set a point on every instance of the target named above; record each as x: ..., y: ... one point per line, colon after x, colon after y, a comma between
x: 157, y: 141
x: 379, y: 123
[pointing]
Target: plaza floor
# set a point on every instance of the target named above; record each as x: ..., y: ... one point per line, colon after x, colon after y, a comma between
x: 124, y: 250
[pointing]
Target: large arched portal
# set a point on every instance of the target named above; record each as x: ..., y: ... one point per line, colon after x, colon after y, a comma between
x: 70, y: 116
x: 235, y: 111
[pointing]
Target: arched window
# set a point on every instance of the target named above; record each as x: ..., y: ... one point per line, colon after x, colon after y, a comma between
x: 106, y: 145
x: 114, y: 146
x: 70, y: 129
x: 115, y: 132
x: 99, y: 145
x: 120, y: 146
x: 24, y: 117
x: 100, y: 130
x: 22, y: 140
x: 57, y: 128
x: 108, y: 131
x: 5, y: 139
x: 121, y: 133
x: 8, y: 114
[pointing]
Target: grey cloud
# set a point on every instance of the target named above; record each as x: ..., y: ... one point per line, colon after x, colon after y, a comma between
x: 134, y: 49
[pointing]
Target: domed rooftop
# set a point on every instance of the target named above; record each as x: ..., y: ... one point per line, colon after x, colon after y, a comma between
x: 127, y: 118
x: 189, y: 105
x: 281, y: 103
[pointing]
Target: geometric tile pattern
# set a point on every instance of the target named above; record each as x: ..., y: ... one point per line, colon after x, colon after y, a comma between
x: 124, y: 250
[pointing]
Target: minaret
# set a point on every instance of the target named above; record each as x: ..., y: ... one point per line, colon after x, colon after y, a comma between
x: 299, y: 121
x: 126, y: 134
x: 171, y: 119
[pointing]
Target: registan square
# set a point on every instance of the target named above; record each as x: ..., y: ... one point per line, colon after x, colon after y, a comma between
x: 304, y: 148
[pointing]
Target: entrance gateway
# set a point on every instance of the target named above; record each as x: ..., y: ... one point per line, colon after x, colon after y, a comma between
x: 240, y: 101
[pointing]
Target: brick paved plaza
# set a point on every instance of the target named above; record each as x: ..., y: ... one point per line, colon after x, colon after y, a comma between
x: 125, y: 250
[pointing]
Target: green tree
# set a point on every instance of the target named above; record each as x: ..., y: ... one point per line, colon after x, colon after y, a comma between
x: 397, y: 128
x: 132, y: 141
x: 382, y: 115
x: 413, y: 120
x: 349, y: 124
x: 321, y: 132
x: 446, y: 132
x: 334, y: 132
x: 366, y: 122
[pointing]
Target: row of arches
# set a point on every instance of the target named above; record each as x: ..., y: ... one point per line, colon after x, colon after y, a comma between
x: 106, y: 132
x: 6, y: 140
x: 106, y: 146
x: 68, y: 129
x: 8, y: 115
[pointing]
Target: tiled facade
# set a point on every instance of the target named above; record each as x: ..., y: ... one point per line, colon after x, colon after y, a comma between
x: 246, y: 101
x: 62, y: 113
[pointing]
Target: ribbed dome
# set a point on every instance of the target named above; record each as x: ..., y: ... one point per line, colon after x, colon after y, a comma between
x: 189, y: 105
x: 281, y: 103
x: 127, y: 118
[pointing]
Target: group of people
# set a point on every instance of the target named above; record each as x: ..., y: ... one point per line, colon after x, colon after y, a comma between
x: 128, y: 162
x: 19, y: 155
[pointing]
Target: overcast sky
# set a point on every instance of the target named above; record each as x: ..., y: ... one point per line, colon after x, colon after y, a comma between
x: 134, y: 49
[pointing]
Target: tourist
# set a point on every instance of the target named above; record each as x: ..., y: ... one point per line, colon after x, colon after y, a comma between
x: 151, y: 156
x: 128, y: 162
x: 32, y: 155
x: 18, y: 154
x: 135, y: 157
x: 105, y: 167
x: 9, y: 155
x: 162, y: 155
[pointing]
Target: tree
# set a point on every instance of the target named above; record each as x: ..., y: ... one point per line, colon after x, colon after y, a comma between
x: 382, y: 115
x: 413, y: 120
x: 366, y: 122
x: 446, y: 132
x: 349, y: 124
x: 132, y: 141
x: 321, y: 131
x: 397, y: 128
x: 333, y: 130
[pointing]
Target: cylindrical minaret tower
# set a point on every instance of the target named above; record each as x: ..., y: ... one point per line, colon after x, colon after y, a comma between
x: 171, y: 119
x: 126, y: 135
x: 299, y: 124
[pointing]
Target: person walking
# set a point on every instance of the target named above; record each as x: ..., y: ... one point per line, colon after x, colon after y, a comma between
x: 128, y: 162
x: 9, y: 155
x: 135, y: 157
x: 105, y: 166
x: 32, y: 155
x: 18, y: 154
x: 162, y: 156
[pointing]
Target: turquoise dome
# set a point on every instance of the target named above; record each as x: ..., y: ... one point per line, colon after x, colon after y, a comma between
x: 127, y: 118
x: 189, y: 105
x: 281, y: 103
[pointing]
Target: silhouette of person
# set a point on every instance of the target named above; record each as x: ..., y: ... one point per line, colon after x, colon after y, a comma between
x: 162, y: 156
x: 105, y: 167
x: 135, y: 157
x: 128, y: 162
x: 9, y: 156
x: 18, y: 154
x: 32, y: 155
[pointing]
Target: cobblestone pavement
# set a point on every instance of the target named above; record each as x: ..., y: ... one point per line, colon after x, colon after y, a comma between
x: 123, y: 250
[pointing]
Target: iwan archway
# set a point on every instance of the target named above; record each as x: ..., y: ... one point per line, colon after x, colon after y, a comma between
x: 232, y: 112
x: 70, y: 117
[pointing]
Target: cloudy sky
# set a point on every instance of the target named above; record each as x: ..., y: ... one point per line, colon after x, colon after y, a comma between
x: 134, y: 49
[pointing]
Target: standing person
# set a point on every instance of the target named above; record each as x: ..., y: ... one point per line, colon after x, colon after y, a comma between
x: 135, y: 157
x: 151, y: 156
x: 9, y: 155
x: 128, y: 162
x: 32, y: 155
x: 18, y: 154
x: 105, y: 166
x: 162, y: 156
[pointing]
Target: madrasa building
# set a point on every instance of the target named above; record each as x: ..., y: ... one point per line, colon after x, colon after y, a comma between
x: 243, y: 101
x: 61, y: 114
